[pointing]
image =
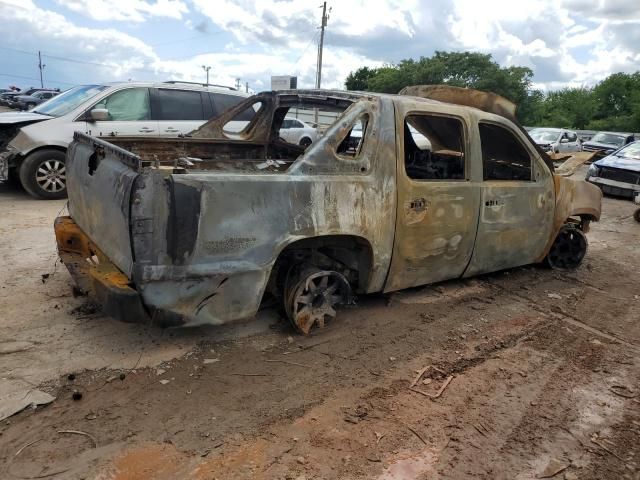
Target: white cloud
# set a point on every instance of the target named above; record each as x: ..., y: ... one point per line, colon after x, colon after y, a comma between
x: 126, y: 10
x: 570, y: 42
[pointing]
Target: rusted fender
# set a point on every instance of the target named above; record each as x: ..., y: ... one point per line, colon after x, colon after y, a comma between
x: 485, y: 101
x: 574, y: 199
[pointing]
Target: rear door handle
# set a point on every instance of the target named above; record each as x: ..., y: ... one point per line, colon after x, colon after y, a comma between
x: 146, y: 130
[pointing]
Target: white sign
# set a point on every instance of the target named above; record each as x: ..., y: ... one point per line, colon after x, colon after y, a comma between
x: 283, y: 82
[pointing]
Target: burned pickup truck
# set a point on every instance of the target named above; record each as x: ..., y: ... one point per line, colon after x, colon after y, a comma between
x: 438, y: 183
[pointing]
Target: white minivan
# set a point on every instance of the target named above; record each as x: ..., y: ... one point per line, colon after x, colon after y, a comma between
x: 33, y: 144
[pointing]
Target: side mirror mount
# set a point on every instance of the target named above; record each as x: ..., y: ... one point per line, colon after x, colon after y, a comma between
x: 99, y: 114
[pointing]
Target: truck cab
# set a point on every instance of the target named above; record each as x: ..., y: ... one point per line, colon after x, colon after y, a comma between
x: 439, y: 183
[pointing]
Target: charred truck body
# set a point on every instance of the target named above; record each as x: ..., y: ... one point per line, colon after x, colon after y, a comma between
x: 196, y: 230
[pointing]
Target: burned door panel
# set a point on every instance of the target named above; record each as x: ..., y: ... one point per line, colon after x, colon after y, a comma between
x: 437, y: 199
x: 517, y: 201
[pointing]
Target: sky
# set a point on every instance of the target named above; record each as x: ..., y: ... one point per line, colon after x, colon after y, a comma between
x: 566, y: 43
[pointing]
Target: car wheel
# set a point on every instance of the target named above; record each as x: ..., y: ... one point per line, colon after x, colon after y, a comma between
x: 43, y: 174
x: 305, y: 142
x: 568, y: 249
x: 636, y: 215
x: 311, y: 295
x: 30, y: 106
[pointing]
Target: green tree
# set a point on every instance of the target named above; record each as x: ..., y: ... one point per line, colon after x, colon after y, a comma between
x: 462, y: 69
x: 359, y: 80
x: 613, y: 104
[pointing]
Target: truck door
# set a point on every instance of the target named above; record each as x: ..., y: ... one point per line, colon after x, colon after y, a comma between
x: 517, y: 203
x: 438, y: 203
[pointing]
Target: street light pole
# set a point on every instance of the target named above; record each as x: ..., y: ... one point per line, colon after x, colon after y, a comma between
x: 206, y: 68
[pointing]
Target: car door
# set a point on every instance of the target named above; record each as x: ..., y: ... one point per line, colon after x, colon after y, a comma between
x: 129, y: 113
x: 297, y: 131
x: 177, y: 111
x: 438, y: 199
x: 573, y: 145
x: 286, y: 133
x: 517, y: 201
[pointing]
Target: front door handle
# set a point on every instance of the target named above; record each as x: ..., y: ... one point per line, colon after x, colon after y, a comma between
x: 418, y: 204
x: 172, y: 130
x: 146, y: 130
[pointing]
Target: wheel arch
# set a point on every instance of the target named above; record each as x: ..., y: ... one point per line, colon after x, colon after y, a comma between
x: 353, y: 252
x: 24, y: 155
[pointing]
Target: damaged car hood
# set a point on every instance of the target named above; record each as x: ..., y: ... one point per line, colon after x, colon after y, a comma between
x: 624, y: 163
x: 21, y: 117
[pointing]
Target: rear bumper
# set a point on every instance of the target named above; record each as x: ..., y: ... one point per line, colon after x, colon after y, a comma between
x: 95, y: 275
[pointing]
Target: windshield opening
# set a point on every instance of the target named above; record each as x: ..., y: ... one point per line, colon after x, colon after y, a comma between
x: 609, y: 139
x: 544, y: 135
x: 631, y: 151
x: 69, y: 100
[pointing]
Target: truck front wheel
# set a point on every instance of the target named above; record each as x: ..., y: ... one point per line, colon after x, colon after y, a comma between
x: 43, y: 174
x: 311, y: 296
x: 568, y: 249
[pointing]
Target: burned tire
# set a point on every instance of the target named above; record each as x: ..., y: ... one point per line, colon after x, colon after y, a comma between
x: 305, y: 142
x: 43, y: 174
x: 311, y: 295
x: 636, y: 215
x: 568, y: 249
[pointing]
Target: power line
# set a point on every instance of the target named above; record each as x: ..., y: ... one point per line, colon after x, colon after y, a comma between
x: 22, y: 77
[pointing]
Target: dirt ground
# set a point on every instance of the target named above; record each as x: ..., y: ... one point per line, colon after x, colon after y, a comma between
x: 538, y: 374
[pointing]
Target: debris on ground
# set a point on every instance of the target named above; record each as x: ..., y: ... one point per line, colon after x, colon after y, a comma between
x: 17, y: 401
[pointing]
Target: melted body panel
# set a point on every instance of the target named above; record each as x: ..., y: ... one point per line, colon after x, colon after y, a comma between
x: 198, y: 224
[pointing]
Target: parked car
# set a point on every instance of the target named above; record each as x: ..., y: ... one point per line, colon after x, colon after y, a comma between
x: 27, y: 102
x: 7, y: 99
x: 556, y: 140
x: 618, y: 173
x: 297, y: 132
x: 33, y: 144
x: 606, y: 143
x: 157, y: 237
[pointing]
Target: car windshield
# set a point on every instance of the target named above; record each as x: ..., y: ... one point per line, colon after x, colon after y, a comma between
x: 631, y: 151
x: 609, y: 139
x: 65, y: 102
x: 544, y: 135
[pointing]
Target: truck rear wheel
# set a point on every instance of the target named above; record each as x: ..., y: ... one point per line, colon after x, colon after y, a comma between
x: 43, y: 174
x: 568, y: 249
x: 311, y: 296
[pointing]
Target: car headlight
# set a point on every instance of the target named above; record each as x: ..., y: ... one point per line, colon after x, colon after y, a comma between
x: 594, y: 171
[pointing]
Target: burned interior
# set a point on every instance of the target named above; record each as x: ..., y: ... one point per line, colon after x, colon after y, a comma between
x: 245, y: 137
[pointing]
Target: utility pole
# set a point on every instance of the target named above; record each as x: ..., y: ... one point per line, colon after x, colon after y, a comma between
x: 321, y: 44
x: 40, y: 67
x: 323, y: 25
x: 206, y: 68
x: 237, y: 84
x: 246, y: 87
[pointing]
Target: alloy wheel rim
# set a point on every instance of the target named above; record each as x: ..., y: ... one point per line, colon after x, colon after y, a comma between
x: 51, y: 176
